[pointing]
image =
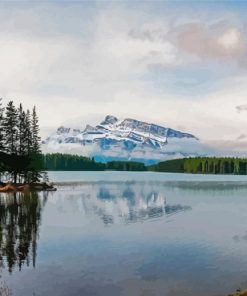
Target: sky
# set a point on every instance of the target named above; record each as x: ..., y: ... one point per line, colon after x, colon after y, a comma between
x: 180, y: 64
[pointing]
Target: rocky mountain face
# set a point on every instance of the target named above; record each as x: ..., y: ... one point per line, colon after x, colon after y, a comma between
x: 124, y: 139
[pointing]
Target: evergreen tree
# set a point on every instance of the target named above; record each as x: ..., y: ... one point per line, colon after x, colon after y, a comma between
x: 27, y: 135
x: 36, y: 158
x: 10, y: 131
x: 35, y: 133
x: 204, y: 165
x: 20, y: 153
x: 1, y: 126
x: 21, y: 130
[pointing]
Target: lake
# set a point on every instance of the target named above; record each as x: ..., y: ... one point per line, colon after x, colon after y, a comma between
x: 123, y: 233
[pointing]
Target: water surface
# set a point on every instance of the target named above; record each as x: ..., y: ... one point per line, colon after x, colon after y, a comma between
x: 113, y: 233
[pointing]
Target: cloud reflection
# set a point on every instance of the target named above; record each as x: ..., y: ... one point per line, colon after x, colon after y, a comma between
x: 123, y: 203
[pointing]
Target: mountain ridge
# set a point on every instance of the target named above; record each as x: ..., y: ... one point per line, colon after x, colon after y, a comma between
x: 124, y: 139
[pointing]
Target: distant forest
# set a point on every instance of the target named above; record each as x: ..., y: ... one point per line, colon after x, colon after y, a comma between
x: 20, y: 151
x: 198, y: 165
x: 68, y: 162
x: 203, y: 165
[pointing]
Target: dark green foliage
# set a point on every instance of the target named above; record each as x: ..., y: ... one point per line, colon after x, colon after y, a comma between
x: 27, y: 133
x: 10, y: 123
x: 203, y: 165
x: 173, y: 166
x: 1, y: 126
x: 20, y: 153
x: 68, y: 162
x: 126, y: 166
x: 36, y: 164
x: 21, y: 130
x: 35, y: 133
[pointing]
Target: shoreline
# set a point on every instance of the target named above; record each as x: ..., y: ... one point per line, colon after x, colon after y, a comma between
x: 20, y: 187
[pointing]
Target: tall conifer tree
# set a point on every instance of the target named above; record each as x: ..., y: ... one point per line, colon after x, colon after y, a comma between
x: 35, y: 133
x: 1, y: 127
x: 27, y: 136
x: 21, y: 130
x: 35, y: 148
x: 10, y: 129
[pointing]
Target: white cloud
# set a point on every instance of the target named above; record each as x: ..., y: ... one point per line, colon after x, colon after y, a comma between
x: 75, y: 70
x: 231, y: 39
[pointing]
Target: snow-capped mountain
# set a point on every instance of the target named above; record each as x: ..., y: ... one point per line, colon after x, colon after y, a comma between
x: 124, y: 139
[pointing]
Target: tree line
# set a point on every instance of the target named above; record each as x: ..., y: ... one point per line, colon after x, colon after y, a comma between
x: 68, y: 162
x: 197, y: 165
x: 20, y: 150
x: 204, y: 165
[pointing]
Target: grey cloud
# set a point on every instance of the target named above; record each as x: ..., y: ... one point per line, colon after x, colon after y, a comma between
x: 141, y: 35
x: 209, y: 41
x: 219, y: 40
x: 241, y: 108
x: 242, y: 137
x: 151, y: 35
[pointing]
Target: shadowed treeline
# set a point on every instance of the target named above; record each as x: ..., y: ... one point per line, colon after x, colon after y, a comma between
x: 204, y: 165
x: 200, y: 165
x: 68, y: 162
x: 20, y: 217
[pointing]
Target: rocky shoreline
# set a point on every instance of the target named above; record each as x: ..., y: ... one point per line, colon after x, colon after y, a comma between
x: 10, y: 187
x: 239, y: 292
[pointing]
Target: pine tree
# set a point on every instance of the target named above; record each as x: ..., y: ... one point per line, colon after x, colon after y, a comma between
x: 1, y: 127
x: 36, y: 164
x: 10, y: 131
x: 27, y: 135
x: 35, y: 133
x: 20, y: 152
x: 21, y: 130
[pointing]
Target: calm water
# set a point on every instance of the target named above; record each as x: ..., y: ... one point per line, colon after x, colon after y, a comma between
x: 113, y: 233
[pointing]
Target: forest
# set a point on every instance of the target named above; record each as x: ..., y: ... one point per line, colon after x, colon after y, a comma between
x: 20, y: 150
x: 203, y: 165
x: 68, y: 162
x: 197, y: 165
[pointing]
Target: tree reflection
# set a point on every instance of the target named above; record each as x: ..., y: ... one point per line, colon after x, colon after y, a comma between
x: 20, y: 217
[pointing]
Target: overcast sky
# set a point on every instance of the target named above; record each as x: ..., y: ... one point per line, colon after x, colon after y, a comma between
x: 178, y: 64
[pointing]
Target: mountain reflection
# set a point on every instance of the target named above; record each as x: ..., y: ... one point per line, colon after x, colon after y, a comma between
x: 20, y: 217
x: 122, y: 203
x: 134, y: 207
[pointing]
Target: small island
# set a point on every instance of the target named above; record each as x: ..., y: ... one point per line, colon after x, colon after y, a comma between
x: 21, y: 163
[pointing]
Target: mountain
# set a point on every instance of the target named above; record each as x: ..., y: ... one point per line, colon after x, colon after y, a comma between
x: 125, y: 139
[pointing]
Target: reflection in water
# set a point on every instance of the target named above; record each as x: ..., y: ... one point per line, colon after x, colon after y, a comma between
x: 239, y: 238
x: 20, y: 217
x: 138, y: 253
x: 123, y: 203
x: 134, y: 207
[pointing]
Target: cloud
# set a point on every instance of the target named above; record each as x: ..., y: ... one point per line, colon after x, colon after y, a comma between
x: 195, y: 43
x: 87, y: 64
x: 209, y: 41
x: 241, y: 108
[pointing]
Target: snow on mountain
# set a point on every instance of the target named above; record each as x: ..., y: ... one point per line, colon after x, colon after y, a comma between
x: 125, y: 139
